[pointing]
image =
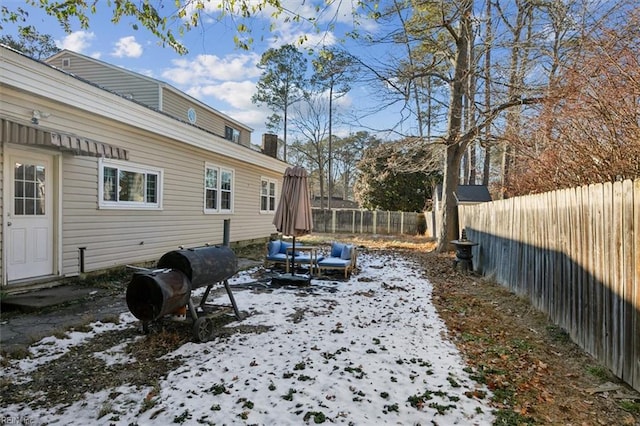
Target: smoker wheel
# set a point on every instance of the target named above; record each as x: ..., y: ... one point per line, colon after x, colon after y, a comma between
x: 202, y: 329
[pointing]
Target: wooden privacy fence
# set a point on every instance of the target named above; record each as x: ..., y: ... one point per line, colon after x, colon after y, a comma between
x: 357, y: 221
x: 575, y: 254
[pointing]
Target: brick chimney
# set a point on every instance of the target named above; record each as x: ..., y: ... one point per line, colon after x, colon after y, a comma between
x: 270, y: 145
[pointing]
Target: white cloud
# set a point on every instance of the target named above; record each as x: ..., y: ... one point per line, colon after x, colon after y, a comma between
x: 207, y: 68
x: 127, y: 47
x: 77, y: 41
x: 254, y: 118
x: 236, y: 94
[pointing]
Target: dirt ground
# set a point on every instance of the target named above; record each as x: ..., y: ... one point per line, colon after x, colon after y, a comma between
x: 536, y: 373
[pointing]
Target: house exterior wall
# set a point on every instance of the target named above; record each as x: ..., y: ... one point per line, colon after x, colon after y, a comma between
x: 148, y: 91
x: 110, y: 77
x: 2, y: 211
x: 115, y: 237
x: 177, y: 106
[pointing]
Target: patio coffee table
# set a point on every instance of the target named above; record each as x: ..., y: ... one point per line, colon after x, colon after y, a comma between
x: 312, y: 260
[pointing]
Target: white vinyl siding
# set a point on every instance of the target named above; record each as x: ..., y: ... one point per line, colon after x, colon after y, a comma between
x: 117, y: 80
x: 114, y: 237
x: 177, y: 106
x: 2, y: 154
x: 150, y: 92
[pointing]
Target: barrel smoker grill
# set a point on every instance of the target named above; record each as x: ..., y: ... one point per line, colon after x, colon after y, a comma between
x: 152, y: 294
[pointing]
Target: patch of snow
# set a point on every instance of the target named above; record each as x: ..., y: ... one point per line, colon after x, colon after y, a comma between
x: 368, y: 350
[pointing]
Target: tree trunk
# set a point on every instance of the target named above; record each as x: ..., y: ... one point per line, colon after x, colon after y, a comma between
x: 471, y: 115
x: 455, y: 146
x: 450, y: 225
x: 486, y: 169
x: 284, y: 139
x: 519, y: 62
x: 329, y: 180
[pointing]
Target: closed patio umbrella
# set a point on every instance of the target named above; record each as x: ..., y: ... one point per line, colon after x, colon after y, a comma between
x: 293, y: 214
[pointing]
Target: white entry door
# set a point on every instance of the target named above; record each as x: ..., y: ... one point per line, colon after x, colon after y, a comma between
x: 30, y: 217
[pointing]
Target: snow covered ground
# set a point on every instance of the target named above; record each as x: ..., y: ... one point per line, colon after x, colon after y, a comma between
x: 367, y: 351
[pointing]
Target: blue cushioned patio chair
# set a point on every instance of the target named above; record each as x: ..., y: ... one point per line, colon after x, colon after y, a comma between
x: 342, y: 257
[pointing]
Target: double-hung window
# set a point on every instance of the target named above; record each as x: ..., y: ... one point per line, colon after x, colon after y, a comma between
x: 218, y: 189
x: 232, y: 134
x: 125, y: 185
x: 267, y: 195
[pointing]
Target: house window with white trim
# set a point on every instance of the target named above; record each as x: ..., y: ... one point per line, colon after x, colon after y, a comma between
x: 125, y: 185
x: 232, y: 134
x: 267, y: 195
x: 218, y: 189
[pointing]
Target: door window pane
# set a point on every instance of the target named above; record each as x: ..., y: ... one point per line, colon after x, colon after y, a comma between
x: 29, y: 207
x: 29, y: 172
x: 29, y: 189
x: 18, y: 207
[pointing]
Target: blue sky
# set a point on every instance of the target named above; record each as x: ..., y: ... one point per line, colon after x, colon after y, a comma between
x: 214, y: 71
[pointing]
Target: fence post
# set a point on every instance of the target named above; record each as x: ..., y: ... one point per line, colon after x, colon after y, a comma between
x: 361, y: 219
x: 333, y: 221
x: 375, y: 221
x: 353, y: 221
x: 389, y: 223
x: 401, y: 223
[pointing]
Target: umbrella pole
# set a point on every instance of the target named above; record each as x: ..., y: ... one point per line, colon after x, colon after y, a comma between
x: 293, y: 253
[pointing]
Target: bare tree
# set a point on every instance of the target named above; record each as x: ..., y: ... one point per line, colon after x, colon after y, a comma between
x: 282, y: 83
x: 348, y: 152
x: 334, y: 71
x: 588, y: 130
x: 311, y: 121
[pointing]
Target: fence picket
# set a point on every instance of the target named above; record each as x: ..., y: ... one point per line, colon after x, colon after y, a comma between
x: 576, y: 254
x: 635, y: 301
x: 627, y: 279
x: 598, y: 265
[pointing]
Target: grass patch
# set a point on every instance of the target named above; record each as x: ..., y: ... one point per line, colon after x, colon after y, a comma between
x: 511, y: 418
x: 317, y: 416
x: 391, y: 408
x: 558, y: 334
x: 289, y: 395
x: 183, y: 417
x: 599, y: 372
x: 151, y: 400
x: 105, y: 410
x: 504, y: 396
x: 630, y: 406
x: 521, y: 345
x: 218, y: 388
x: 356, y: 371
x: 440, y: 408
